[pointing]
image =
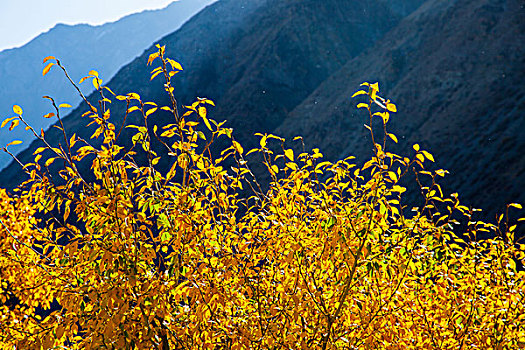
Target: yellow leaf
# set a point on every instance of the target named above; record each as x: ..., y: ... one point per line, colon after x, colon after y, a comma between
x: 362, y: 105
x: 49, y: 161
x: 374, y: 89
x: 183, y: 161
x: 4, y: 123
x: 274, y: 169
x: 391, y: 107
x: 15, y: 142
x: 207, y: 122
x: 289, y: 154
x: 155, y: 74
x: 93, y: 73
x: 39, y: 150
x: 171, y: 173
x: 17, y: 109
x: 238, y: 147
x: 393, y: 137
x: 64, y: 105
x: 49, y: 115
x: 202, y: 112
x: 105, y: 87
x: 392, y: 175
x: 420, y: 157
x: 47, y: 68
x: 516, y: 205
x: 66, y: 212
x: 360, y: 92
x: 263, y: 141
x: 133, y: 96
x: 175, y: 65
x: 416, y: 147
x: 428, y: 156
x: 150, y: 111
x: 96, y: 83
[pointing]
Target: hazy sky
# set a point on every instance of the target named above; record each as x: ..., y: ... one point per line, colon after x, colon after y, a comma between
x: 22, y: 20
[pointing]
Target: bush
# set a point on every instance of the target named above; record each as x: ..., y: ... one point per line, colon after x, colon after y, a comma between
x: 202, y: 257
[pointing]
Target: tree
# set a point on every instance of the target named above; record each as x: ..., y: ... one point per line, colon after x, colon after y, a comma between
x: 204, y: 257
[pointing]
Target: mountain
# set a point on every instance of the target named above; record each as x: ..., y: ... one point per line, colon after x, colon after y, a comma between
x: 256, y: 59
x: 455, y: 69
x: 289, y: 67
x: 80, y: 48
x: 403, y: 7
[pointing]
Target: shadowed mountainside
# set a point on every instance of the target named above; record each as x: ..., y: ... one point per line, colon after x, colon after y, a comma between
x: 454, y: 68
x: 256, y: 59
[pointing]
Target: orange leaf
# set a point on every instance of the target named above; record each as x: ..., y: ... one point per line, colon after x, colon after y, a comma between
x: 152, y: 57
x: 49, y: 58
x: 14, y: 124
x: 47, y: 68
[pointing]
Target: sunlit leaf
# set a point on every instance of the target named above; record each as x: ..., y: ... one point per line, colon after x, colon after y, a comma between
x: 238, y: 147
x: 428, y: 156
x: 17, y: 109
x: 4, y: 123
x: 393, y: 137
x: 15, y: 142
x: 48, y: 58
x: 289, y: 154
x: 47, y: 68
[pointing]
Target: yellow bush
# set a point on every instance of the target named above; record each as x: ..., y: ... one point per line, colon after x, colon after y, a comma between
x: 185, y: 259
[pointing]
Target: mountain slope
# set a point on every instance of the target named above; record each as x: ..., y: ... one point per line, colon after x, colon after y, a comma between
x: 455, y: 70
x: 256, y: 59
x: 80, y: 48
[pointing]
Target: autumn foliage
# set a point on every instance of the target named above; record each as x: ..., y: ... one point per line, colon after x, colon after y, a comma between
x: 204, y: 256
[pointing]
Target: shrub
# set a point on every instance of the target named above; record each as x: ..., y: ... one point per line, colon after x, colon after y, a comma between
x: 202, y: 257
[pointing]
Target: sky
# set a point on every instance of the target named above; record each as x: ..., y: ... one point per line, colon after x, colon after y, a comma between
x: 22, y: 20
